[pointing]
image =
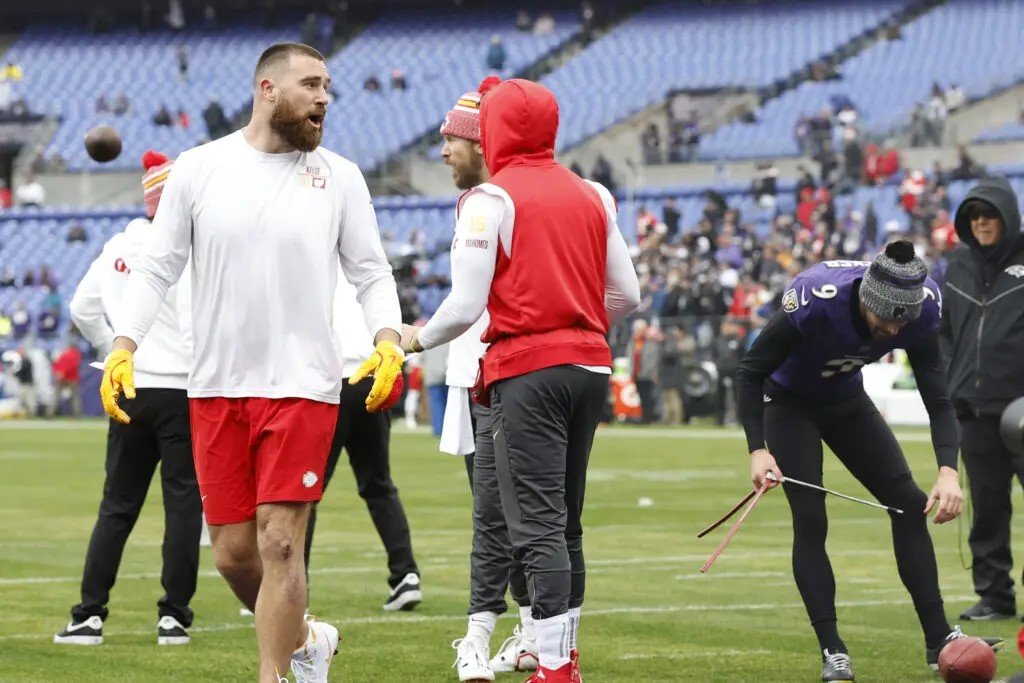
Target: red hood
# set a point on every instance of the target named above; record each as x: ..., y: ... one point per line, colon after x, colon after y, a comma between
x: 518, y: 124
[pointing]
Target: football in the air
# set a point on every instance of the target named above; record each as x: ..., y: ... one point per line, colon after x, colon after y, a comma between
x: 967, y: 660
x: 103, y: 143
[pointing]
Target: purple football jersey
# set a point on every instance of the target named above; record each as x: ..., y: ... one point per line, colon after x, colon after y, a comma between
x: 819, y: 304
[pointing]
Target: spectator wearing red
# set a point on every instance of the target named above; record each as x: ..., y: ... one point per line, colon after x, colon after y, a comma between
x: 871, y: 161
x: 944, y: 237
x: 65, y: 370
x: 911, y: 189
x: 805, y: 209
x: 889, y: 162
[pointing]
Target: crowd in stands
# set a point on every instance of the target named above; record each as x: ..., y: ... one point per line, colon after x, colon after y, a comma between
x: 708, y: 289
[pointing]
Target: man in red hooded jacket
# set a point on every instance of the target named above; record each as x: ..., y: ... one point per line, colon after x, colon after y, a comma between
x: 541, y: 250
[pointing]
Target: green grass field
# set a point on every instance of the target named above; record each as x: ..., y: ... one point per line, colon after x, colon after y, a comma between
x: 649, y: 614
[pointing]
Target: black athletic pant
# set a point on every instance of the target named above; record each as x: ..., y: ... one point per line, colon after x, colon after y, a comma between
x: 492, y: 566
x: 366, y: 438
x: 990, y: 472
x: 158, y: 433
x: 865, y: 444
x: 544, y: 424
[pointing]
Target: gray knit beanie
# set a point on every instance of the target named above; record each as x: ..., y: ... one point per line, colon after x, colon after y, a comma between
x: 893, y: 286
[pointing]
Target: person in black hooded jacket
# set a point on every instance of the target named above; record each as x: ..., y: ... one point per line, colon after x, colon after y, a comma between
x: 982, y: 335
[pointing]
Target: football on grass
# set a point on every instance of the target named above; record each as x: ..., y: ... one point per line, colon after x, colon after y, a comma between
x: 103, y: 143
x: 967, y: 660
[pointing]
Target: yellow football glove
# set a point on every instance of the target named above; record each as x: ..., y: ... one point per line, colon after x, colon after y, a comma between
x: 386, y: 367
x: 118, y: 377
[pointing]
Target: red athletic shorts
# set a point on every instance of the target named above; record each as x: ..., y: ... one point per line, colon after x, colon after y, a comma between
x: 250, y: 451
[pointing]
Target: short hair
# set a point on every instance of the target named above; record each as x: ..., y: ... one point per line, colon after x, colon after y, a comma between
x: 279, y: 52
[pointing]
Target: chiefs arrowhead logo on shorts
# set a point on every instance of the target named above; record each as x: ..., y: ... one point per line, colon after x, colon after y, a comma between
x: 309, y: 479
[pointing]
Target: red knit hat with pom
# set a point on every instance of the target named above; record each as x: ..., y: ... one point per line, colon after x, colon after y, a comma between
x: 463, y: 121
x: 156, y: 169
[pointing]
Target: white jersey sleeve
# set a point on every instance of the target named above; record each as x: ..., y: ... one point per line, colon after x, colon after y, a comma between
x: 622, y: 288
x: 474, y: 256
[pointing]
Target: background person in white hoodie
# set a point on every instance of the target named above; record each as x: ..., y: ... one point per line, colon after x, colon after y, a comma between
x: 158, y: 433
x: 366, y: 437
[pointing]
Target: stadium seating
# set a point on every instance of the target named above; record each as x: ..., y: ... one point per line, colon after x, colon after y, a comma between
x: 440, y: 63
x: 66, y: 70
x: 366, y: 127
x: 888, y: 78
x: 671, y: 46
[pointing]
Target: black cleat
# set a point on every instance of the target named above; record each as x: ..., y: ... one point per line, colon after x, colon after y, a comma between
x: 984, y: 611
x: 836, y: 666
x: 88, y: 632
x: 932, y: 654
x: 406, y: 595
x: 169, y: 631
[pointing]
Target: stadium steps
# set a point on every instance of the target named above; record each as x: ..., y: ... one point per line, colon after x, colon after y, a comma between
x: 40, y: 137
x: 620, y: 143
x: 412, y: 171
x: 622, y: 140
x: 979, y: 116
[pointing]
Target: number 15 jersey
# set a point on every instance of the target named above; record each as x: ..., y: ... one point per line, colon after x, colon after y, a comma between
x: 822, y: 304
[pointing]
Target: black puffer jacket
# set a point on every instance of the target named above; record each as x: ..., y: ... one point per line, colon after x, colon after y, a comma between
x: 983, y: 309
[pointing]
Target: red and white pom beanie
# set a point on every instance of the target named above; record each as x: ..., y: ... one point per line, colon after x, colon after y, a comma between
x: 463, y: 121
x: 157, y: 167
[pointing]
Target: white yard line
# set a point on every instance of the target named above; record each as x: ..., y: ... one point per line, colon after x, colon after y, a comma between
x: 587, y: 613
x: 673, y: 562
x: 695, y: 655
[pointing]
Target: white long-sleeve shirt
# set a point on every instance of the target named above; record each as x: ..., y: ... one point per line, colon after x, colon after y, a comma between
x: 265, y: 232
x: 164, y: 358
x: 488, y: 214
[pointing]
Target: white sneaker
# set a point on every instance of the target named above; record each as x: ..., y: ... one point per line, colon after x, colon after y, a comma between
x: 88, y: 632
x: 406, y: 595
x: 516, y: 654
x: 311, y: 661
x: 169, y: 631
x: 471, y: 660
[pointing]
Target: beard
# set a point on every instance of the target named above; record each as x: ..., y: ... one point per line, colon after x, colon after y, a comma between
x: 294, y: 126
x: 469, y: 175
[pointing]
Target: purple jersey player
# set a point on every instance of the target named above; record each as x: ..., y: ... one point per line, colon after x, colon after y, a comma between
x: 827, y: 363
x: 800, y: 385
